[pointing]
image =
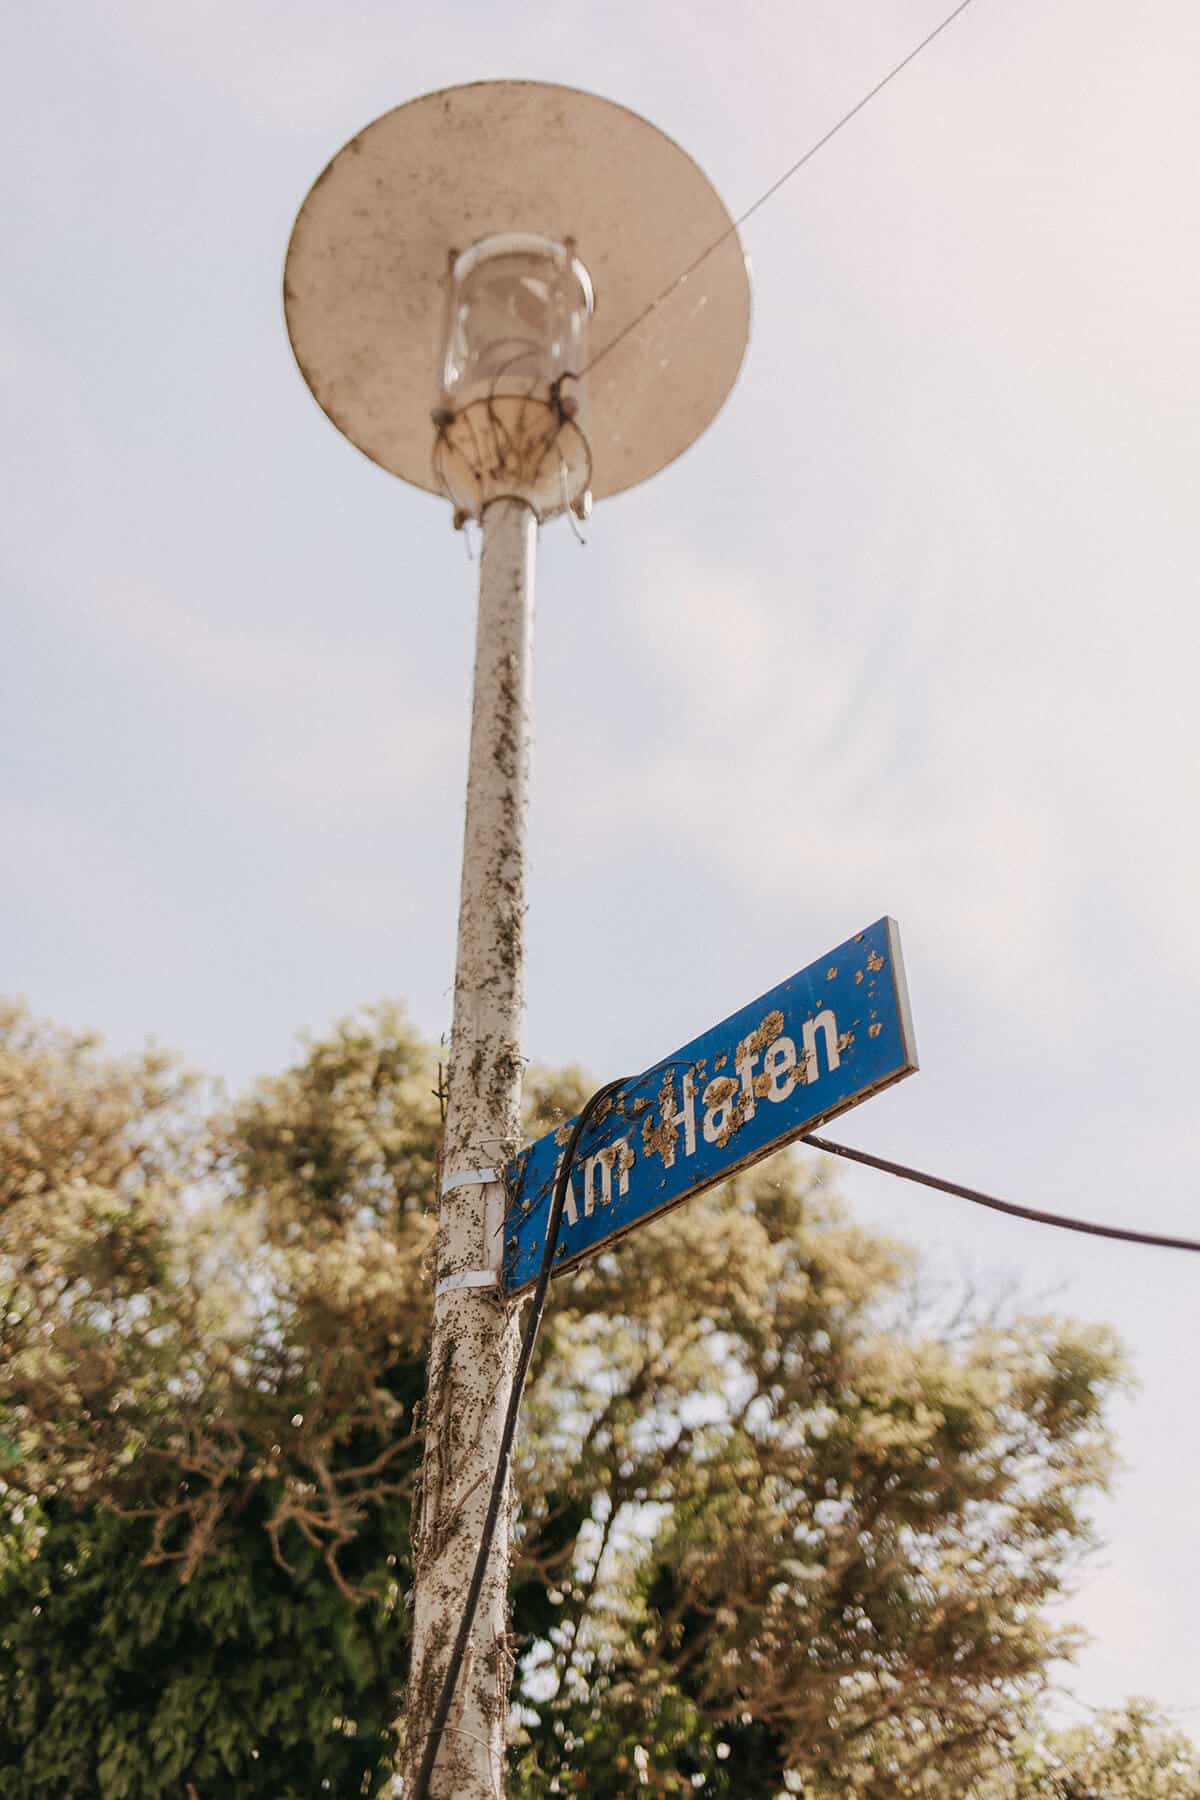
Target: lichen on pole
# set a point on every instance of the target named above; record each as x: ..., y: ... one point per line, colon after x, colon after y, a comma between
x: 475, y: 1338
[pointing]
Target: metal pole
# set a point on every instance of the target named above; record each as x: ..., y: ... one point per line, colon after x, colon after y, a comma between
x: 475, y: 1340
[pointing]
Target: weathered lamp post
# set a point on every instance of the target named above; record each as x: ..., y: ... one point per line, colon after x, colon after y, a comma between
x: 465, y: 290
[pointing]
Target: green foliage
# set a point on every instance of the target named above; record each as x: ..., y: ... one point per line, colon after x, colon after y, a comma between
x: 345, y: 1142
x: 1128, y: 1755
x: 770, y: 1532
x: 119, y: 1681
x: 210, y: 1393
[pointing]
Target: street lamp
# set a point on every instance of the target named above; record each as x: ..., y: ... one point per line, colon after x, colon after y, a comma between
x: 522, y: 297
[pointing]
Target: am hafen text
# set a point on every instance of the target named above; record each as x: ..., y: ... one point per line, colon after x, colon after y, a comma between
x: 767, y: 1067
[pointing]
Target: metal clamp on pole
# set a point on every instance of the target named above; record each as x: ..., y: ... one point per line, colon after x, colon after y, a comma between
x: 469, y: 1178
x: 469, y: 1278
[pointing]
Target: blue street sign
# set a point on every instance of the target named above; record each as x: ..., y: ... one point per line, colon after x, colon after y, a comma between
x: 813, y: 1047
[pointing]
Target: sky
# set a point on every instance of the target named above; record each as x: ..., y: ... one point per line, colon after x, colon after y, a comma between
x: 909, y: 630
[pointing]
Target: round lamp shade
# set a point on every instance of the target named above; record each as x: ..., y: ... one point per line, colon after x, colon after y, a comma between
x: 365, y: 283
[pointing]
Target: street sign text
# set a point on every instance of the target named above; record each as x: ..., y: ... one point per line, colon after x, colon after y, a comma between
x: 828, y: 1037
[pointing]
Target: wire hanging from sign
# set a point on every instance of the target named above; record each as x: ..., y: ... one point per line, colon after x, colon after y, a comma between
x: 1124, y: 1234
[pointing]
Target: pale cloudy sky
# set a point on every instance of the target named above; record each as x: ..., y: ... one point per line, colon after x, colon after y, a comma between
x: 910, y: 630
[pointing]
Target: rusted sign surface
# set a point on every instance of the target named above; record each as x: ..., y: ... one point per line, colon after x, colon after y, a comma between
x: 828, y: 1037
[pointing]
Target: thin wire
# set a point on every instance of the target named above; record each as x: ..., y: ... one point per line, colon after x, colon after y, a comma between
x: 1124, y: 1233
x: 445, y: 1698
x: 732, y: 229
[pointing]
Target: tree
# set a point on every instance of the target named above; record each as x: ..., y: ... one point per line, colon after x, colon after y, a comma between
x: 213, y: 1335
x: 852, y: 1533
x: 772, y: 1532
x: 119, y: 1679
x: 1132, y: 1754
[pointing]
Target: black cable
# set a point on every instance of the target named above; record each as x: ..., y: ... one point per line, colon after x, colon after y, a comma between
x: 537, y: 1305
x: 812, y: 150
x: 1124, y: 1233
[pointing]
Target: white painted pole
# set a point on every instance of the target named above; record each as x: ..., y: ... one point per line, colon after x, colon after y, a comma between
x: 475, y: 1340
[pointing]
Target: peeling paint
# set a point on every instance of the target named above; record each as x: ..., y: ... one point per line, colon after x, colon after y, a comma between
x: 766, y: 1033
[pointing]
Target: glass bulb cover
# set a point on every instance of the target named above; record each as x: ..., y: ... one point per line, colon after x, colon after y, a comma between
x: 515, y: 344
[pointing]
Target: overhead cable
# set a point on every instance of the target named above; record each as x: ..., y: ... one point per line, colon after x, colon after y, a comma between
x: 774, y: 188
x: 1124, y: 1233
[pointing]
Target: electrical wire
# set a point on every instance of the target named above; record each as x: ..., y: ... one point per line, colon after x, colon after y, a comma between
x: 537, y: 1305
x: 1125, y: 1234
x: 731, y: 229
